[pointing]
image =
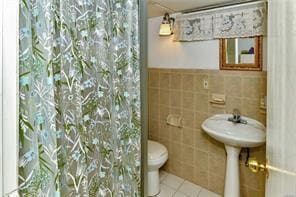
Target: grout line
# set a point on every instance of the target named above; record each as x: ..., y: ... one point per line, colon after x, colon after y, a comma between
x: 180, y: 184
x: 166, y: 174
x: 170, y: 186
x: 178, y: 189
x: 199, y: 192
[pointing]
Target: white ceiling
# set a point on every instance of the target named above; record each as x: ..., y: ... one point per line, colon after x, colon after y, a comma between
x: 159, y: 7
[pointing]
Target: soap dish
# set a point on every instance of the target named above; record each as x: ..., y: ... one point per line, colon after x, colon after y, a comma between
x: 218, y: 99
x: 174, y: 120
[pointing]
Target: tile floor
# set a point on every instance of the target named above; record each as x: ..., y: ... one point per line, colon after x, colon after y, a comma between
x: 173, y: 186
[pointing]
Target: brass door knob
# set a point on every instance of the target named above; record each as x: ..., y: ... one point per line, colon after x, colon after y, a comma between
x: 255, y: 166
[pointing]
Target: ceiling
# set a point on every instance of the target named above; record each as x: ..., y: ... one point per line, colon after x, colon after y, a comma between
x: 159, y: 7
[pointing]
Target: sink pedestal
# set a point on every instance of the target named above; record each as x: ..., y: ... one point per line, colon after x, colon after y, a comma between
x: 232, y: 186
x: 234, y: 136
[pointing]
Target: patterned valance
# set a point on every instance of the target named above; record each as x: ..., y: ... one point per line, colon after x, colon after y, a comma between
x: 194, y: 27
x: 241, y: 21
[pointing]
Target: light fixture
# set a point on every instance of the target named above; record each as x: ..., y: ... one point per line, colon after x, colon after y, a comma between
x: 167, y: 25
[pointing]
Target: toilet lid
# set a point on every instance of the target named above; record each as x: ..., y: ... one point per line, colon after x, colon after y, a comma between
x: 155, y: 150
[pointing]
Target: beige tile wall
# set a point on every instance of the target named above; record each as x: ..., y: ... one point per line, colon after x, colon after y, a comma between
x: 192, y: 154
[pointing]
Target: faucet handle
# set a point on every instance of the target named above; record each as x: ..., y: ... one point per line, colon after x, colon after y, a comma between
x: 237, y: 117
x: 236, y: 111
x: 236, y: 114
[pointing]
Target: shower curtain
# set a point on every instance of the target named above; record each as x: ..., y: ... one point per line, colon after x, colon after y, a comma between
x: 79, y: 104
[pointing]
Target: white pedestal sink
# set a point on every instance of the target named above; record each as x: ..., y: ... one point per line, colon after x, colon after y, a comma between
x: 234, y: 136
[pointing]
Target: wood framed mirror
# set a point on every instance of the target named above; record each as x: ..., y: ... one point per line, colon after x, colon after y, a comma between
x: 241, y: 53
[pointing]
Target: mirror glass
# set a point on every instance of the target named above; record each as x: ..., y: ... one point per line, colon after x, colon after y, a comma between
x: 240, y: 50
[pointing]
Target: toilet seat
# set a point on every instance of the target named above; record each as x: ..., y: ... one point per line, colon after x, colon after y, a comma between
x: 156, y: 153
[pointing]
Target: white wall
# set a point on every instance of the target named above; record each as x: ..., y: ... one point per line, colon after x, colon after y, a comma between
x: 163, y: 52
x: 1, y: 157
x: 9, y: 80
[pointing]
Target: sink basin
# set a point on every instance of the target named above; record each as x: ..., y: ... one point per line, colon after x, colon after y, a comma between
x: 234, y: 136
x: 250, y: 135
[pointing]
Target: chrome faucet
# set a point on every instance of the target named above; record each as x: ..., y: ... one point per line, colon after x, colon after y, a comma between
x: 236, y: 118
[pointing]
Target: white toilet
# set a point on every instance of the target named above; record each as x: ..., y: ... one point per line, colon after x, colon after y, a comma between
x: 157, y: 156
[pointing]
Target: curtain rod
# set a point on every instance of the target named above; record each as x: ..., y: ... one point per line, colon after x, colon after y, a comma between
x: 222, y: 6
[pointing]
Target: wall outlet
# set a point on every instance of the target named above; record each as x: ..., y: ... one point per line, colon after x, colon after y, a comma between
x: 205, y: 84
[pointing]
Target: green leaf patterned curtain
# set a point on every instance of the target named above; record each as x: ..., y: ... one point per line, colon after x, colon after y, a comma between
x: 79, y: 119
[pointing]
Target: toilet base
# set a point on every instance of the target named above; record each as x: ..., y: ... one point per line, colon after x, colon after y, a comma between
x: 153, y: 182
